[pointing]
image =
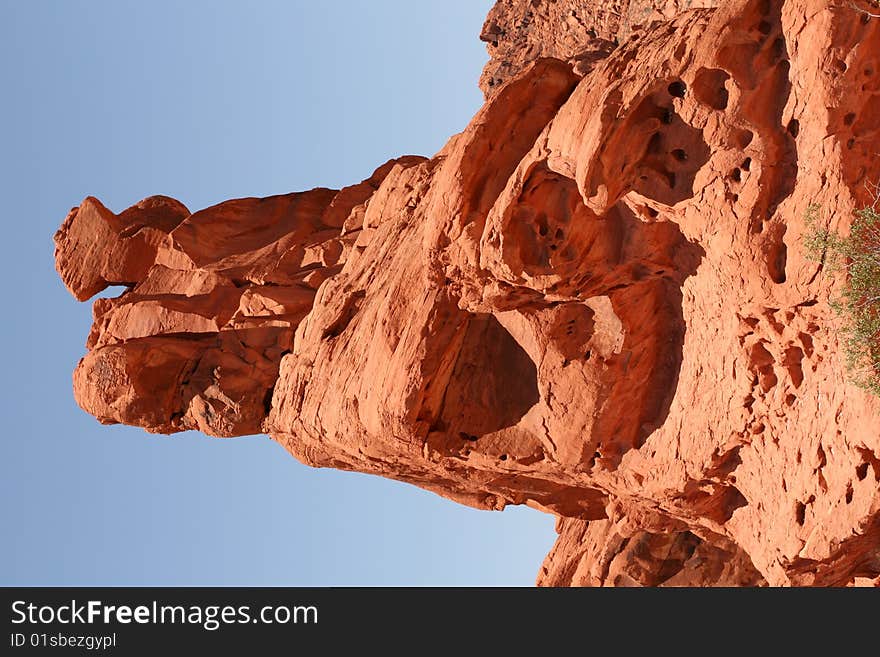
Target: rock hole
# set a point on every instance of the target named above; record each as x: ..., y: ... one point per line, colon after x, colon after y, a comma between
x: 736, y: 175
x: 777, y: 259
x: 493, y: 383
x: 541, y: 221
x: 747, y: 164
x: 870, y: 459
x: 849, y: 119
x: 680, y: 154
x: 849, y: 493
x: 794, y: 127
x: 744, y: 137
x: 731, y: 500
x: 710, y: 88
x: 800, y: 513
x: 765, y: 27
x: 793, y: 358
x: 862, y: 471
x: 503, y: 457
x: 807, y: 342
x: 677, y: 89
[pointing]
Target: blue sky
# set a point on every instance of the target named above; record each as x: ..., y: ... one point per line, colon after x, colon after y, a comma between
x: 206, y: 101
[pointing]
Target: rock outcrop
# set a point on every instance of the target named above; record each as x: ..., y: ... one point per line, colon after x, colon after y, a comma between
x: 594, y: 300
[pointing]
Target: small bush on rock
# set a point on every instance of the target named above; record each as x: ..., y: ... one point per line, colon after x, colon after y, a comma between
x: 857, y: 257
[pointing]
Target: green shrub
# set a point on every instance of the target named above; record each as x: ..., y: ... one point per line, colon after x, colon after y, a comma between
x: 857, y: 257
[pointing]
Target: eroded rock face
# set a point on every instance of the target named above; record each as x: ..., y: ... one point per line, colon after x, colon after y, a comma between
x: 593, y: 301
x: 581, y: 32
x: 212, y: 302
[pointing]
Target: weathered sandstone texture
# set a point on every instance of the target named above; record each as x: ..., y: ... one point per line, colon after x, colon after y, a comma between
x: 594, y: 300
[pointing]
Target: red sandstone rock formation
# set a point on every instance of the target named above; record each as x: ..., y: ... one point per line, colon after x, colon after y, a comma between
x: 593, y: 301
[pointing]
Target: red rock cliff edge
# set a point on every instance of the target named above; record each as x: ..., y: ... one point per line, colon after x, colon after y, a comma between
x: 593, y: 301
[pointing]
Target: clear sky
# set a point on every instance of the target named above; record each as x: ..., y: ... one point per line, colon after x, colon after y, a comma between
x: 206, y: 101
